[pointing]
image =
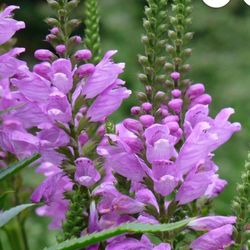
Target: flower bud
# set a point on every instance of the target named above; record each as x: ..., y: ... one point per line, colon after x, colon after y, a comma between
x: 135, y: 110
x: 54, y: 31
x: 60, y: 49
x: 176, y: 105
x: 204, y: 99
x: 52, y: 21
x: 132, y: 125
x: 76, y: 39
x: 147, y: 120
x: 169, y: 67
x: 176, y: 93
x: 195, y: 90
x: 74, y: 23
x: 148, y: 90
x: 44, y: 54
x: 50, y: 38
x: 163, y: 112
x: 42, y: 69
x: 173, y: 126
x: 170, y: 49
x: 83, y: 54
x: 143, y: 78
x: 160, y: 96
x: 83, y: 138
x: 146, y: 106
x: 142, y: 59
x: 101, y: 130
x: 141, y: 96
x: 171, y: 118
x: 172, y: 34
x: 85, y: 70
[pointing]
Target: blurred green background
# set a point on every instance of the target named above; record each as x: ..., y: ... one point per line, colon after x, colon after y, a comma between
x: 221, y: 60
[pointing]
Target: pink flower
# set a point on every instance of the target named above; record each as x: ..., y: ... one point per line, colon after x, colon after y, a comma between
x: 106, y: 74
x: 211, y: 222
x: 86, y: 174
x: 106, y: 103
x: 216, y: 239
x: 9, y: 26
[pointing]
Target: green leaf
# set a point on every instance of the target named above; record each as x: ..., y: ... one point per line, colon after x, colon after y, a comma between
x: 4, y: 195
x: 13, y: 169
x: 6, y: 216
x: 94, y: 238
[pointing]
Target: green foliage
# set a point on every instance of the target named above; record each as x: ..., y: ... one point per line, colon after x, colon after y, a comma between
x: 94, y: 238
x: 92, y: 33
x: 13, y: 169
x: 6, y: 216
x: 154, y: 41
x: 179, y: 38
x: 75, y: 220
x: 64, y: 22
x: 241, y: 207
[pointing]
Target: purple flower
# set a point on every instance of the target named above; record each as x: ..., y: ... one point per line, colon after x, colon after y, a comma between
x: 105, y: 75
x: 9, y: 26
x: 123, y: 161
x: 194, y: 186
x: 9, y: 64
x: 86, y: 173
x: 219, y: 238
x: 205, y: 137
x: 62, y: 75
x: 165, y: 177
x: 43, y: 54
x: 134, y: 244
x: 160, y: 144
x: 56, y: 210
x: 107, y: 102
x: 211, y: 222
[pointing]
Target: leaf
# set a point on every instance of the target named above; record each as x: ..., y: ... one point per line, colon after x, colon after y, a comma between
x: 4, y: 195
x: 6, y: 216
x: 94, y: 238
x: 11, y: 170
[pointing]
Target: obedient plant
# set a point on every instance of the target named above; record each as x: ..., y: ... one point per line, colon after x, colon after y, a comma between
x: 119, y: 185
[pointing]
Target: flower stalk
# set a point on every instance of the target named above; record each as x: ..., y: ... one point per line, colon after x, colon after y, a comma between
x: 92, y: 29
x: 241, y: 208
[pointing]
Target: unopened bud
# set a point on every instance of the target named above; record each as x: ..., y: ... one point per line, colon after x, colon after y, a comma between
x: 176, y: 93
x: 142, y: 96
x: 132, y: 125
x: 83, y: 54
x: 54, y: 31
x: 72, y: 5
x: 135, y: 110
x: 43, y: 54
x: 52, y: 22
x: 204, y: 99
x: 142, y: 59
x: 172, y: 34
x: 60, y: 49
x: 175, y: 76
x: 195, y: 90
x: 147, y: 120
x: 85, y: 70
x: 83, y: 138
x: 147, y: 107
x: 176, y: 105
x: 143, y: 78
x: 169, y: 67
x: 54, y: 4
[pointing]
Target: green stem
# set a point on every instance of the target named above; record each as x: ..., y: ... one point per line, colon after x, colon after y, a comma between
x: 92, y: 29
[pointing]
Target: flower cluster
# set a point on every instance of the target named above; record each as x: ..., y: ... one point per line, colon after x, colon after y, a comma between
x: 167, y: 164
x: 55, y: 101
x: 156, y: 167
